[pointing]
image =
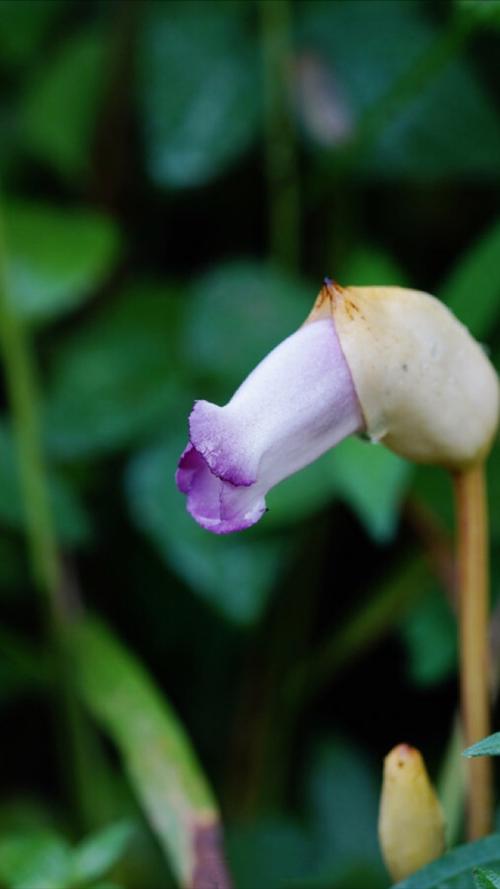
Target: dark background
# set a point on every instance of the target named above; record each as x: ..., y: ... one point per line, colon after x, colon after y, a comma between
x: 177, y: 178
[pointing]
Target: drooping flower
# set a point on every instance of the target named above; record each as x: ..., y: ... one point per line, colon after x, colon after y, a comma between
x: 296, y: 404
x: 390, y: 362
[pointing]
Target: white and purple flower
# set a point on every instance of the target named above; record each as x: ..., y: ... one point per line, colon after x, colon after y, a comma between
x: 297, y: 403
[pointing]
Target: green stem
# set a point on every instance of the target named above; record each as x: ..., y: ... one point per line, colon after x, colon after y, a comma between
x: 280, y: 143
x: 22, y: 391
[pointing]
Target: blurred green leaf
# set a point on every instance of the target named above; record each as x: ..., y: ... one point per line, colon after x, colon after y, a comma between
x: 485, y: 878
x: 373, y: 481
x: 60, y: 109
x: 35, y: 860
x: 433, y: 486
x: 112, y: 381
x: 93, y: 857
x: 489, y: 746
x: 343, y: 805
x: 434, y: 127
x: 195, y: 129
x: 237, y: 313
x: 433, y: 137
x: 271, y: 851
x: 72, y: 522
x: 155, y: 749
x: 429, y: 632
x: 333, y: 844
x: 482, y: 12
x: 367, y: 265
x: 454, y: 870
x: 236, y: 574
x: 472, y: 289
x: 23, y: 28
x: 301, y: 495
x: 493, y: 480
x: 56, y: 257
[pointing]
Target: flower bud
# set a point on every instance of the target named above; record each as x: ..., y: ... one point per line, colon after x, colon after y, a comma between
x: 411, y: 822
x: 425, y: 387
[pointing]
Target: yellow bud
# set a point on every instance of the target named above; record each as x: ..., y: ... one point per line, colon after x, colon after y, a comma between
x: 425, y: 386
x: 411, y: 823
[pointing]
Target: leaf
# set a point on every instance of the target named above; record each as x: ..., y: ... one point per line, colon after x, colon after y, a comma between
x: 442, y: 126
x: 236, y: 574
x: 194, y: 131
x: 237, y: 313
x: 454, y: 870
x: 366, y: 266
x: 343, y: 804
x: 35, y: 860
x: 56, y: 257
x: 489, y: 746
x: 24, y: 27
x: 493, y: 485
x: 68, y: 89
x: 472, y: 289
x: 270, y: 851
x: 93, y: 857
x: 301, y: 495
x: 485, y: 878
x: 112, y: 381
x: 485, y: 13
x: 429, y: 632
x: 72, y: 522
x: 373, y: 481
x: 156, y: 752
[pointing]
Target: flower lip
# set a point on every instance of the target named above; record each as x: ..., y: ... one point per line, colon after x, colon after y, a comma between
x: 296, y: 404
x: 212, y: 435
x: 209, y: 497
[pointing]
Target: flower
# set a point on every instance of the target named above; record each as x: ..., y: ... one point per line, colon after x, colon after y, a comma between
x: 390, y: 362
x: 296, y: 404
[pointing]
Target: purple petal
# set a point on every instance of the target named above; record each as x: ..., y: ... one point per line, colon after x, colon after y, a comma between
x: 211, y: 501
x: 296, y: 404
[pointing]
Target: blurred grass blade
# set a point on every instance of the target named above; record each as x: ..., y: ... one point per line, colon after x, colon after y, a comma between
x: 484, y: 878
x: 36, y: 859
x: 489, y: 746
x: 156, y: 752
x: 93, y: 857
x: 458, y: 863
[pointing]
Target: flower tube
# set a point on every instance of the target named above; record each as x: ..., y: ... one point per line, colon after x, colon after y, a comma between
x: 297, y: 403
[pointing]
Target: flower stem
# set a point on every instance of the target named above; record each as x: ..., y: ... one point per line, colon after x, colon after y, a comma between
x: 473, y: 582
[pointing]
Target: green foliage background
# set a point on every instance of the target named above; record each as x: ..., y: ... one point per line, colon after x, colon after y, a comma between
x: 176, y: 180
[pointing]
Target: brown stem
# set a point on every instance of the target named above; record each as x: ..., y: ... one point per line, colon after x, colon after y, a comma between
x: 473, y: 580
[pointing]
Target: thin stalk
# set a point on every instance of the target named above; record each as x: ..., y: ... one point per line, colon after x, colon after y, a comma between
x: 473, y: 580
x: 280, y: 139
x: 22, y: 389
x: 22, y: 392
